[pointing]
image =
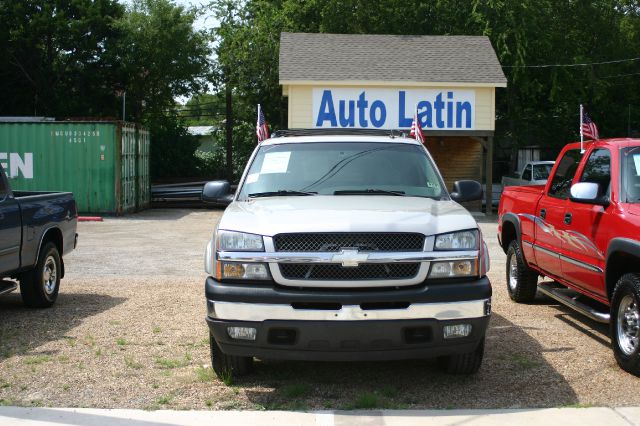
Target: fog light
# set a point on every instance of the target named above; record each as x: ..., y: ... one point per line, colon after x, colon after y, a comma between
x: 242, y: 333
x: 456, y: 330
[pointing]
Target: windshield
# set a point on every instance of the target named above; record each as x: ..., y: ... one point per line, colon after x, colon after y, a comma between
x: 342, y: 168
x: 630, y: 174
x: 541, y: 171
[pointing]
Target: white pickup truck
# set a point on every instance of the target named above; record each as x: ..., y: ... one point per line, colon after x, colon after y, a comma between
x: 533, y: 173
x: 346, y: 248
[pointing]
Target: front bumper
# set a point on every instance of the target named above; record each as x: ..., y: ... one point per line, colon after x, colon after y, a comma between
x: 307, y: 324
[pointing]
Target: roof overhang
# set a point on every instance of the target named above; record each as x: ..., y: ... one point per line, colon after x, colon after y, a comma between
x: 372, y: 83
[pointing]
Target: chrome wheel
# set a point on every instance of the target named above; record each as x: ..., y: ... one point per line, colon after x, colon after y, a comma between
x: 49, y: 275
x: 513, y: 272
x: 628, y: 325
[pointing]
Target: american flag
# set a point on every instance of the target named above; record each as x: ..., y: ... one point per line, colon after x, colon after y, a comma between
x: 262, y: 128
x: 416, y: 129
x: 588, y: 128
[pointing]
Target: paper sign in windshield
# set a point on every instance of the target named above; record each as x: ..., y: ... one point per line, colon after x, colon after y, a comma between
x: 253, y: 177
x: 636, y: 160
x: 275, y: 162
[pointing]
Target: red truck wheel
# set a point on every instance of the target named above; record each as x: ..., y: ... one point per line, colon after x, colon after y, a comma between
x: 625, y: 323
x: 522, y: 281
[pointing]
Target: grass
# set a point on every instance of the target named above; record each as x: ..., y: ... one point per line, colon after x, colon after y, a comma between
x: 169, y: 364
x: 121, y: 342
x: 366, y: 400
x: 208, y: 403
x: 205, y: 374
x: 65, y: 387
x: 295, y: 390
x: 389, y: 392
x: 38, y: 359
x: 164, y: 400
x: 131, y: 363
x: 524, y: 362
x: 71, y: 341
x: 89, y: 341
x: 156, y: 330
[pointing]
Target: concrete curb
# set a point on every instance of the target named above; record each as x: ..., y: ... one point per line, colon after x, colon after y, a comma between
x: 596, y: 416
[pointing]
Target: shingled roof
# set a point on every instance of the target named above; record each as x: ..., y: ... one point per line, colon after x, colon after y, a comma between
x: 397, y: 58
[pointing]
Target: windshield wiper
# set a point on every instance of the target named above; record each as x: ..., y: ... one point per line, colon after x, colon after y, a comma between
x: 368, y: 192
x: 279, y: 193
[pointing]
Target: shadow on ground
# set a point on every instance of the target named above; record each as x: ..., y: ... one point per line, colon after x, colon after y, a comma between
x: 513, y: 374
x: 22, y: 330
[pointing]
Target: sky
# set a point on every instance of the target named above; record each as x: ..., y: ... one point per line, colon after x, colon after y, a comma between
x: 204, y: 22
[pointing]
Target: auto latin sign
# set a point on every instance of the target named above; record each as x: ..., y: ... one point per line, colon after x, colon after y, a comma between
x: 382, y: 108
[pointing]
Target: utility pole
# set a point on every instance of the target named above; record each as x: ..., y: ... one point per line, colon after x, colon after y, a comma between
x: 124, y: 105
x: 629, y: 123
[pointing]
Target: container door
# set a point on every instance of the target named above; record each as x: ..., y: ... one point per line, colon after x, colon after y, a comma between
x: 142, y: 173
x: 128, y: 166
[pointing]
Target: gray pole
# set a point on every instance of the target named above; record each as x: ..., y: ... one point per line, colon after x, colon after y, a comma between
x: 629, y: 123
x: 124, y: 104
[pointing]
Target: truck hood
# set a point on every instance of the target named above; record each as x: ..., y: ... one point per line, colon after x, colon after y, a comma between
x: 371, y: 213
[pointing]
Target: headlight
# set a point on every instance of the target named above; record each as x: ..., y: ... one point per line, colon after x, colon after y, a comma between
x: 454, y: 269
x: 242, y: 271
x: 464, y: 240
x: 239, y: 241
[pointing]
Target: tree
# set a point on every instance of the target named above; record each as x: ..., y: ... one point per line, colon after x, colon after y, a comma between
x: 55, y: 57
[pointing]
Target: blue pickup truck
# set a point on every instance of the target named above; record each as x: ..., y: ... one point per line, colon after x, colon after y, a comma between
x: 36, y: 230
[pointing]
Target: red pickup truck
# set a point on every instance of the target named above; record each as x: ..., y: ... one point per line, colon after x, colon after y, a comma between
x: 581, y: 230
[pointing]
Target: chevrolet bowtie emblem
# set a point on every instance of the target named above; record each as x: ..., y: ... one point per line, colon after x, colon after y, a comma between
x: 350, y: 258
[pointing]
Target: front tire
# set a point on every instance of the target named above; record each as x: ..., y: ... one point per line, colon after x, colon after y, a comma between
x: 625, y: 323
x: 468, y: 363
x: 39, y: 287
x: 522, y: 281
x: 228, y: 366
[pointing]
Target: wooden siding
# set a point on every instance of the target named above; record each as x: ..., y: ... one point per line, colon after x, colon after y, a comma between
x: 458, y: 158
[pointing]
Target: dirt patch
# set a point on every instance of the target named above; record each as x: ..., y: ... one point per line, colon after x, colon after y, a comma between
x: 128, y: 331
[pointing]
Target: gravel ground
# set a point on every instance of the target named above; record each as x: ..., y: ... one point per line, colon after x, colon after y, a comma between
x: 128, y: 331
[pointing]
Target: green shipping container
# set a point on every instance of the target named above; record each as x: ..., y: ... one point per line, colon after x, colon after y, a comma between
x: 104, y: 164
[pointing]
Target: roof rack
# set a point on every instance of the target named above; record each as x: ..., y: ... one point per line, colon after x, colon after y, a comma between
x: 339, y: 132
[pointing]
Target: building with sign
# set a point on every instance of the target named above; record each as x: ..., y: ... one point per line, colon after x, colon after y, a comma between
x: 360, y: 81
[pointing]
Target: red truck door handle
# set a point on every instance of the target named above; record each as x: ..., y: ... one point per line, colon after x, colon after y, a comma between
x: 543, y: 213
x: 567, y: 219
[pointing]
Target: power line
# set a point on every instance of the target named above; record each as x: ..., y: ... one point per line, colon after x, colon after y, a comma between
x: 584, y: 64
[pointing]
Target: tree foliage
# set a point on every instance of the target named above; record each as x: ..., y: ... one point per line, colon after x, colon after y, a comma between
x: 540, y: 104
x: 76, y: 58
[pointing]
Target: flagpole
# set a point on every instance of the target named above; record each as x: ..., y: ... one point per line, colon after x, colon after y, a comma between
x: 581, y: 134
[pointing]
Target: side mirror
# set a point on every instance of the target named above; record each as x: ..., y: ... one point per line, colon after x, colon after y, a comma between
x: 588, y: 193
x: 466, y: 190
x: 215, y: 191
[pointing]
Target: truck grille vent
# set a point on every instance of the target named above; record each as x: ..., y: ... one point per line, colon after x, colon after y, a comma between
x: 333, y: 271
x: 363, y: 241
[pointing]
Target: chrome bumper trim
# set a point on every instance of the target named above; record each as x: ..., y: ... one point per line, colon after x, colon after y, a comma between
x: 233, y: 311
x: 328, y: 257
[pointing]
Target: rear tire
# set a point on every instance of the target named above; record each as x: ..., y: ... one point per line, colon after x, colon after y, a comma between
x: 39, y: 287
x: 228, y: 366
x: 625, y: 323
x: 468, y: 363
x: 522, y: 281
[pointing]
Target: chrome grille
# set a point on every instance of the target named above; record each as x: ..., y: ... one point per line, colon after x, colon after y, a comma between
x: 336, y: 272
x: 363, y: 241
